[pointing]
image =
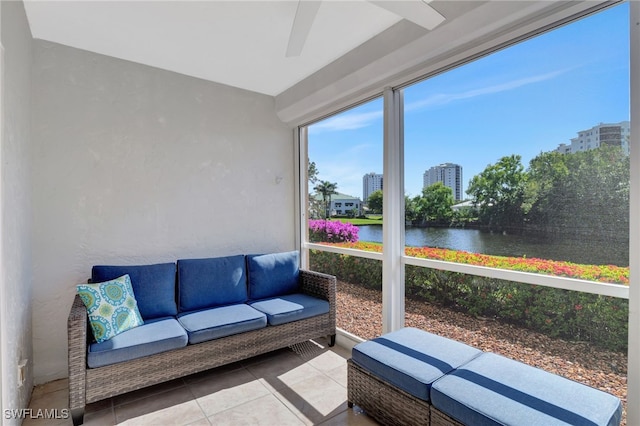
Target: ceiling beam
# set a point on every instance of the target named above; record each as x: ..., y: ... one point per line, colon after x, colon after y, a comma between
x: 305, y: 15
x: 416, y: 11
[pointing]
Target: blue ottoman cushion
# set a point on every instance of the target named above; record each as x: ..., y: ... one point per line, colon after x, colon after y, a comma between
x: 494, y: 390
x: 220, y: 322
x: 412, y: 359
x: 291, y: 307
x: 272, y: 275
x: 206, y: 283
x: 155, y: 336
x: 154, y: 286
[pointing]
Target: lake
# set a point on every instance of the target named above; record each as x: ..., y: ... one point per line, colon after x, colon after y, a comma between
x: 577, y: 249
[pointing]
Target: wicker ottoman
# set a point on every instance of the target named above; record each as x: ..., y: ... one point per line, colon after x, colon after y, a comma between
x: 494, y: 390
x: 390, y: 377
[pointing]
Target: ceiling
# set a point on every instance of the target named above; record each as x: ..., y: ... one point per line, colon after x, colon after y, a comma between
x: 238, y: 43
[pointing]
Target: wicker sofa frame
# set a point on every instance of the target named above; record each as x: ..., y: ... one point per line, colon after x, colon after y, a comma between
x: 389, y: 404
x: 383, y: 401
x: 88, y: 385
x: 438, y: 418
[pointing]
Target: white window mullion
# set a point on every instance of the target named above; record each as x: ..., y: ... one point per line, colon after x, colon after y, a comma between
x: 393, y: 213
x: 302, y: 154
x: 633, y: 367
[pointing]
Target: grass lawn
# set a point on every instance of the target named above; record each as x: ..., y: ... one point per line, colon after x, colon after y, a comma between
x: 372, y: 220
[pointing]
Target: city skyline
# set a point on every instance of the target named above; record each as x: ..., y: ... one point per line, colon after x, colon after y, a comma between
x: 525, y: 100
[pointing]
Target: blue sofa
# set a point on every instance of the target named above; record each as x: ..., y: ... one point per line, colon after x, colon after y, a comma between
x: 198, y: 314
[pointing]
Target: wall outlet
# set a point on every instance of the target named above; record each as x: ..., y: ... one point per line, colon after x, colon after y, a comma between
x: 22, y: 372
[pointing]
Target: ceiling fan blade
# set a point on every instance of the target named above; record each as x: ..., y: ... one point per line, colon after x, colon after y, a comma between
x: 305, y: 15
x: 416, y: 11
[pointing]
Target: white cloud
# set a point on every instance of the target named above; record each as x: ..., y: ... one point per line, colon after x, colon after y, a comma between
x: 445, y: 98
x: 359, y: 120
x: 346, y: 121
x: 347, y: 176
x: 348, y: 169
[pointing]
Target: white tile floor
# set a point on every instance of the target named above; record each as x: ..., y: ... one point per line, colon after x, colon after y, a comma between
x: 304, y: 385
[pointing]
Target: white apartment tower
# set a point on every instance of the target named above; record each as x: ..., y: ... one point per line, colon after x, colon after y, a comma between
x: 370, y: 182
x: 449, y: 174
x: 611, y: 134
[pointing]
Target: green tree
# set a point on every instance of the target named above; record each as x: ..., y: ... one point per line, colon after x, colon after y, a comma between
x: 375, y: 201
x: 435, y: 204
x: 326, y: 189
x: 499, y: 193
x: 410, y: 209
x: 585, y: 193
x: 464, y: 216
x: 546, y: 186
x: 312, y: 172
x: 315, y: 205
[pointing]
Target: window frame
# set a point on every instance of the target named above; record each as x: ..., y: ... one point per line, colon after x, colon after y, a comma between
x: 393, y: 257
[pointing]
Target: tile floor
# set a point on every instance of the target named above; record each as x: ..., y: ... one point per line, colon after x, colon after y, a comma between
x: 302, y: 385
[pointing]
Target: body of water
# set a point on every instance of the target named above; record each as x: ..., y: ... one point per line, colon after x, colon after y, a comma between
x: 576, y: 249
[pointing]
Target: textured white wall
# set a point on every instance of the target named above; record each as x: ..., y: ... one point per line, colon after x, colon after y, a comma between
x: 15, y: 205
x: 136, y: 165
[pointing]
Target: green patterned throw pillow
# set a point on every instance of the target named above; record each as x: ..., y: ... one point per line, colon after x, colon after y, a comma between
x: 111, y: 306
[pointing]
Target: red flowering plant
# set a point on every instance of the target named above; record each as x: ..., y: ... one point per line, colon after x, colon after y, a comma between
x: 599, y: 273
x: 568, y: 314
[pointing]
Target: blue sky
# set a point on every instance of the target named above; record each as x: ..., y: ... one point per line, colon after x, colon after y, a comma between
x: 524, y: 100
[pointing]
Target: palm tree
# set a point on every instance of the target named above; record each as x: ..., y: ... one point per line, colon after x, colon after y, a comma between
x: 327, y: 189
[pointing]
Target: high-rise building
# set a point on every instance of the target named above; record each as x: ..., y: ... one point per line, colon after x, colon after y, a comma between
x: 604, y: 134
x: 370, y: 182
x: 449, y: 174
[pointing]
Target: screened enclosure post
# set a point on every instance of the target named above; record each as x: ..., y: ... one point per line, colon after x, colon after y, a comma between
x: 302, y: 191
x: 633, y: 370
x: 393, y: 213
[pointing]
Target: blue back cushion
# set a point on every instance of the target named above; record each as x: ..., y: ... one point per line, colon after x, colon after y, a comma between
x: 154, y: 286
x: 273, y: 275
x: 206, y: 283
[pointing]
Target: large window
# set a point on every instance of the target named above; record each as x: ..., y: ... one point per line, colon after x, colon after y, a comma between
x: 524, y: 155
x: 517, y: 164
x: 344, y: 211
x: 513, y: 235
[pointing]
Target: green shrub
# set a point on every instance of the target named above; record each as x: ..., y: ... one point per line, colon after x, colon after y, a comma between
x: 351, y: 269
x: 570, y: 315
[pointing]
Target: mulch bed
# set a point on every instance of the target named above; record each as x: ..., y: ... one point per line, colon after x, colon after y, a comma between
x: 359, y: 311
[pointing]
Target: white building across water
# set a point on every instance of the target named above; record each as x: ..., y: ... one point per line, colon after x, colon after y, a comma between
x: 449, y: 174
x: 604, y: 134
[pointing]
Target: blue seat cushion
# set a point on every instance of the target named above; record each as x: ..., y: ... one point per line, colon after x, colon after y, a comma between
x: 220, y: 322
x: 272, y: 275
x: 153, y: 337
x: 207, y: 283
x: 154, y: 286
x: 291, y: 307
x: 412, y: 359
x: 494, y: 390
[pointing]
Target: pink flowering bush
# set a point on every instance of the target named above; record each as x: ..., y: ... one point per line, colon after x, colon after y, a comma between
x: 328, y: 231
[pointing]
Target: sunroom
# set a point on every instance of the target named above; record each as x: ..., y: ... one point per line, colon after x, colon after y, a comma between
x: 142, y: 132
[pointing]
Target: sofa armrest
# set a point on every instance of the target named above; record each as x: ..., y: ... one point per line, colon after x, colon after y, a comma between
x: 319, y: 285
x: 322, y: 286
x: 77, y: 338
